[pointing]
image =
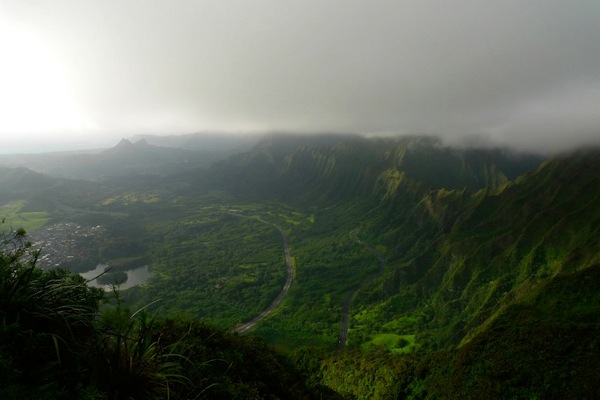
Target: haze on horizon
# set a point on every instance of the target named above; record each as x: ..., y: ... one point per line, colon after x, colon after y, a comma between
x: 81, y: 74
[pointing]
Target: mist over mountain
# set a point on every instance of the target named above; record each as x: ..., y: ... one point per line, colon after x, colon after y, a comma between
x: 293, y: 167
x: 339, y: 200
x: 169, y: 155
x: 215, y: 142
x: 417, y: 266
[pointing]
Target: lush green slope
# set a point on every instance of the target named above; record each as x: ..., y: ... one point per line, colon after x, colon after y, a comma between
x: 508, y: 289
x: 463, y: 268
x: 56, y: 342
x: 462, y: 272
x: 325, y: 168
x: 495, y: 246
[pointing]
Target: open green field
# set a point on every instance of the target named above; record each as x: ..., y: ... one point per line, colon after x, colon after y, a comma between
x: 397, y: 344
x: 15, y: 218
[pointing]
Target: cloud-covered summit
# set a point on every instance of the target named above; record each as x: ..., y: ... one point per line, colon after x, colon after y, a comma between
x: 512, y: 72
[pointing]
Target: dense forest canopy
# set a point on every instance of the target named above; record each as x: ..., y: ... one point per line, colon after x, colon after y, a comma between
x: 411, y: 270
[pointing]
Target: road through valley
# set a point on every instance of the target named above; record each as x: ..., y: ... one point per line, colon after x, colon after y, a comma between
x: 247, y: 326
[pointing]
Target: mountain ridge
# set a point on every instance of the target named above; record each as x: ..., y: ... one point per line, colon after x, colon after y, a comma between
x: 290, y: 166
x: 475, y: 247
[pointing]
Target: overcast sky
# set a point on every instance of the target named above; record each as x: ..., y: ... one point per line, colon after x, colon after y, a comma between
x: 84, y: 73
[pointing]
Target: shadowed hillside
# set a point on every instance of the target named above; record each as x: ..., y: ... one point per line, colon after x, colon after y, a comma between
x: 433, y: 270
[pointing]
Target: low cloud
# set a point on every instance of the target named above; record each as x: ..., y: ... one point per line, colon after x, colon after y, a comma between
x: 523, y: 74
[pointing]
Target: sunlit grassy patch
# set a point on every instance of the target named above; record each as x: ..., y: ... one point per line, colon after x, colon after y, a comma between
x: 395, y: 343
x: 13, y: 217
x: 110, y: 201
x: 402, y: 323
x: 130, y: 198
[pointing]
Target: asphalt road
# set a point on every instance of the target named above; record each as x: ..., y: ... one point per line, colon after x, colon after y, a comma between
x: 247, y: 326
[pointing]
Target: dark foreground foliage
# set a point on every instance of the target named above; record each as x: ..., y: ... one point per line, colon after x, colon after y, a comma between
x: 46, y: 324
x: 57, y: 341
x: 60, y: 339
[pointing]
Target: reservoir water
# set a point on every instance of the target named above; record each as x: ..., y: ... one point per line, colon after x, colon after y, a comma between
x: 136, y: 276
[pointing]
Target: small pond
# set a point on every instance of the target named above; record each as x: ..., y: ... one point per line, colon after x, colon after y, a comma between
x: 134, y: 277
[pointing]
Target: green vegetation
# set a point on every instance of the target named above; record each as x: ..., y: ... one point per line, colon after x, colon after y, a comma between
x: 394, y: 343
x: 225, y: 265
x: 57, y: 341
x: 457, y: 277
x: 13, y: 214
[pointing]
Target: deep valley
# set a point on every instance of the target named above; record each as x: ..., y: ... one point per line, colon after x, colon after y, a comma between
x: 404, y: 268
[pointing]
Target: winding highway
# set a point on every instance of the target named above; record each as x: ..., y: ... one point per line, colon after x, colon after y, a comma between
x: 247, y: 326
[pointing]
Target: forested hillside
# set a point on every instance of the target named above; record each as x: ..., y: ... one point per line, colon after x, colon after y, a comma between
x: 61, y: 339
x: 419, y: 270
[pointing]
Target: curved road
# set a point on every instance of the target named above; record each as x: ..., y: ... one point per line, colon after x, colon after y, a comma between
x: 345, y: 323
x: 247, y: 326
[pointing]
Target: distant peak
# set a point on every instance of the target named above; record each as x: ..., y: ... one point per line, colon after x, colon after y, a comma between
x: 123, y: 146
x: 124, y: 143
